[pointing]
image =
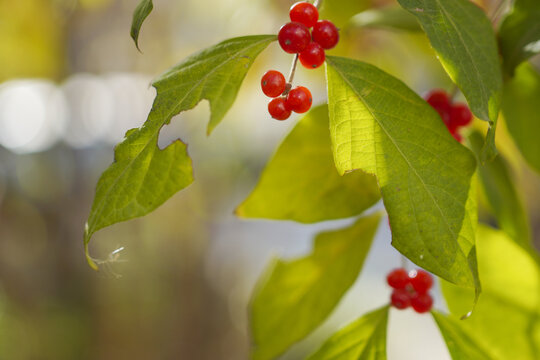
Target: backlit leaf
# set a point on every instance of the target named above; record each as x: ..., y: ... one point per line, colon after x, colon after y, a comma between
x: 139, y: 15
x: 296, y: 296
x: 301, y: 183
x: 142, y: 175
x: 461, y: 343
x: 463, y: 38
x: 381, y: 126
x: 520, y: 110
x: 391, y: 17
x: 519, y: 34
x: 507, y: 317
x: 364, y: 339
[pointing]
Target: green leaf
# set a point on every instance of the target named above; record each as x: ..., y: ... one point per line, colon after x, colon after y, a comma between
x: 519, y: 34
x: 507, y: 317
x: 139, y: 15
x: 379, y: 125
x: 364, y: 339
x: 520, y: 110
x: 463, y: 38
x: 502, y: 196
x: 301, y: 183
x: 389, y: 17
x: 340, y: 11
x: 298, y: 295
x: 143, y: 176
x: 461, y: 344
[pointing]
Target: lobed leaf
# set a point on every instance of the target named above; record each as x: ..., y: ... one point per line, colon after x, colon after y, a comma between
x: 463, y: 38
x: 298, y: 295
x: 379, y: 125
x: 142, y: 175
x: 301, y: 183
x: 461, y: 343
x: 502, y: 196
x: 519, y: 34
x: 520, y: 111
x: 139, y: 15
x: 507, y: 317
x: 364, y: 339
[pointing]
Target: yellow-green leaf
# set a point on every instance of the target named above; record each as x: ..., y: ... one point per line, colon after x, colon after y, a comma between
x: 296, y: 296
x: 142, y: 175
x: 461, y: 343
x: 520, y: 110
x: 381, y: 126
x: 391, y: 17
x: 463, y: 38
x: 519, y: 34
x: 364, y: 339
x: 139, y: 15
x: 502, y: 196
x: 301, y: 183
x: 507, y: 317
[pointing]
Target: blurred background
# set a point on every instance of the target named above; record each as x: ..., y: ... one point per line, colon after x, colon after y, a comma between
x: 71, y: 84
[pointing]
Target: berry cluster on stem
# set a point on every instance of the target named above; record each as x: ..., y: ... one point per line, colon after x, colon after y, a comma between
x: 454, y: 115
x: 309, y: 47
x: 410, y: 289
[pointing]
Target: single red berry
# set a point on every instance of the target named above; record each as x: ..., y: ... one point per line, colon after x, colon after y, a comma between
x: 400, y: 299
x: 313, y: 56
x: 299, y: 99
x: 398, y: 278
x: 325, y: 33
x: 421, y: 281
x: 278, y: 109
x: 438, y: 99
x: 457, y: 136
x: 294, y: 37
x: 421, y: 303
x: 460, y: 115
x: 304, y: 13
x: 273, y: 83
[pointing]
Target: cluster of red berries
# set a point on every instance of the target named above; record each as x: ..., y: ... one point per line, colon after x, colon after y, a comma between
x: 454, y: 116
x: 410, y: 289
x: 296, y: 38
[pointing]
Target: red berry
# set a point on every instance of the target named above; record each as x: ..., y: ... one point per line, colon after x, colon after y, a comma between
x: 278, y: 109
x: 325, y: 33
x: 421, y: 303
x: 438, y: 99
x: 421, y: 281
x: 273, y: 83
x: 304, y: 13
x: 313, y: 56
x: 460, y: 115
x: 400, y: 299
x: 294, y: 37
x: 398, y: 278
x: 299, y: 99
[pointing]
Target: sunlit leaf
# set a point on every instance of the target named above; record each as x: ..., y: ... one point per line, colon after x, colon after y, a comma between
x: 391, y: 17
x: 463, y: 38
x: 520, y: 110
x: 143, y: 176
x: 364, y: 339
x: 340, y: 11
x: 502, y: 196
x: 461, y: 343
x: 381, y: 126
x: 519, y: 34
x: 139, y: 15
x: 296, y: 296
x: 507, y: 317
x: 301, y: 183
